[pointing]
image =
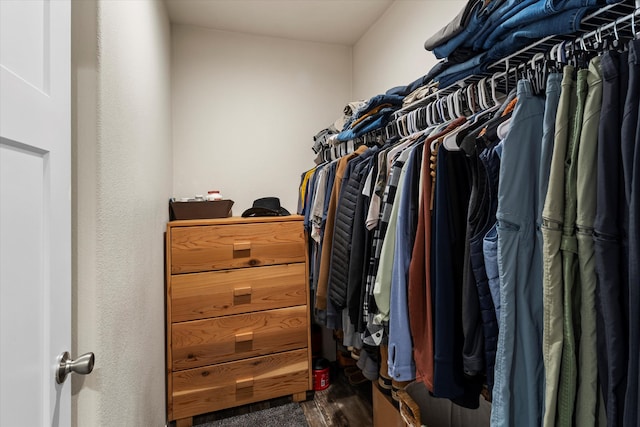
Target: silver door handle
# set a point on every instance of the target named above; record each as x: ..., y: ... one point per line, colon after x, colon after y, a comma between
x: 83, y: 365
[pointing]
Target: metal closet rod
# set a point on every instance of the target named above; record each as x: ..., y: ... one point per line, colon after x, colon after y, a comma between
x: 614, y: 24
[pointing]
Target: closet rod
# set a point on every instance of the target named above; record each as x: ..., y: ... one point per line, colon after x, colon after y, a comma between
x: 614, y: 24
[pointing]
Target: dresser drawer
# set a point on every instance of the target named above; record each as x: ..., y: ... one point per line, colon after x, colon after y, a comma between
x: 218, y: 247
x: 221, y: 339
x: 201, y: 390
x: 220, y: 293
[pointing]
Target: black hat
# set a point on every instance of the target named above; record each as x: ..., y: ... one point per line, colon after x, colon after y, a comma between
x: 266, y: 206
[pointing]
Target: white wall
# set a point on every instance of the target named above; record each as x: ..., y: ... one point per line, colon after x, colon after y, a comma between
x: 122, y: 180
x: 392, y: 52
x: 245, y: 109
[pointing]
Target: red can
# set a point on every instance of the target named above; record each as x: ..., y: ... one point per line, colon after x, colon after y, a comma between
x: 320, y: 374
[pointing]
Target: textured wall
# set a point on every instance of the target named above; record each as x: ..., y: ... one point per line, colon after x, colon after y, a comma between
x: 392, y: 52
x: 123, y: 132
x: 245, y: 109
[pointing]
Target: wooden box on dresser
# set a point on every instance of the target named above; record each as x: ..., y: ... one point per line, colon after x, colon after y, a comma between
x: 237, y: 311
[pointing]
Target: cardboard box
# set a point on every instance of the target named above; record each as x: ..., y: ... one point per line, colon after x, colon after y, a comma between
x: 385, y: 412
x: 200, y: 210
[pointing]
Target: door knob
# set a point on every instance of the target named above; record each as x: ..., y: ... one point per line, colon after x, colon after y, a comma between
x: 83, y: 365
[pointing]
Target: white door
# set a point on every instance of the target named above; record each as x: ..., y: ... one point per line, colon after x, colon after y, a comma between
x: 35, y: 216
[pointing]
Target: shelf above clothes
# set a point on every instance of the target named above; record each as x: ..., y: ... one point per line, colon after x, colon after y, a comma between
x: 618, y: 17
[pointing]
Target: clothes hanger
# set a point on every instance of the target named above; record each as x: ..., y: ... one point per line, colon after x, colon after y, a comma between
x: 494, y: 95
x: 562, y: 53
x: 450, y: 108
x: 405, y: 124
x: 457, y: 103
x: 485, y: 95
x: 427, y: 114
x: 422, y: 123
x: 440, y: 109
x: 411, y: 122
x: 416, y: 120
x: 397, y: 126
x: 417, y: 114
x: 449, y: 141
x: 602, y: 43
x: 413, y: 127
x: 471, y: 101
x: 538, y: 72
x: 531, y: 77
x: 548, y: 59
x: 455, y: 112
x: 615, y: 43
x: 482, y: 93
x: 435, y: 113
x: 389, y: 130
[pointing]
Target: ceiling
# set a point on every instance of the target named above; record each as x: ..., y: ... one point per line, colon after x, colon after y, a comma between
x: 325, y: 21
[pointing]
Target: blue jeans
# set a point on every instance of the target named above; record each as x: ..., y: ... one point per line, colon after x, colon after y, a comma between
x: 535, y: 13
x: 394, y: 100
x: 562, y: 23
x: 516, y: 13
x: 458, y: 69
x: 519, y: 374
x: 508, y: 42
x: 454, y: 27
x: 476, y: 20
x: 452, y: 78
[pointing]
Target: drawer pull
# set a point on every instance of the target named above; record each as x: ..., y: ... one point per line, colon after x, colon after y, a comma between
x: 241, y: 246
x: 241, y: 292
x: 244, y: 383
x: 244, y: 337
x: 242, y: 295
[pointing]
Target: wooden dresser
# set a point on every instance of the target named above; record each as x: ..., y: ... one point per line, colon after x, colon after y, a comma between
x: 237, y: 313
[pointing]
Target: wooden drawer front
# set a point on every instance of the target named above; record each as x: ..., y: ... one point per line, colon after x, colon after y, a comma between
x: 219, y: 247
x: 203, y: 342
x: 219, y: 293
x: 197, y: 391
